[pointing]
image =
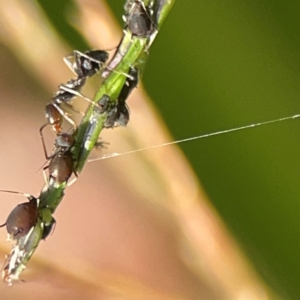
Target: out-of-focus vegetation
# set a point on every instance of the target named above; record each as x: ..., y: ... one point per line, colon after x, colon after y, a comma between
x: 219, y: 65
x: 223, y: 64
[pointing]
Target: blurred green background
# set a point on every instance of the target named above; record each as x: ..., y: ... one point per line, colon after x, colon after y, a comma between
x: 222, y: 64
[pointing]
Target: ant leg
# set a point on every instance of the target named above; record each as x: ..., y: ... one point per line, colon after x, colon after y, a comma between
x: 73, y: 180
x: 28, y: 196
x: 111, y: 69
x: 77, y: 54
x: 66, y: 117
x: 69, y: 63
x: 99, y: 145
x: 125, y: 74
x: 73, y: 92
x: 49, y: 228
x: 43, y: 141
x: 45, y: 176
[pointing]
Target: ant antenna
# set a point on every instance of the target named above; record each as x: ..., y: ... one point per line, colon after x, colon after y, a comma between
x: 17, y: 193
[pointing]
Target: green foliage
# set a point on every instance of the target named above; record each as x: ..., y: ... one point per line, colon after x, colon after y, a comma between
x: 221, y: 65
x: 57, y: 12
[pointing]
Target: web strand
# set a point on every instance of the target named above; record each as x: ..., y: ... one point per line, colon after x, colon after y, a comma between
x: 115, y: 154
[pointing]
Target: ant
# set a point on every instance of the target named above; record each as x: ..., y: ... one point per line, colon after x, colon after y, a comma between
x: 60, y: 161
x: 64, y: 95
x: 85, y: 65
x: 118, y: 114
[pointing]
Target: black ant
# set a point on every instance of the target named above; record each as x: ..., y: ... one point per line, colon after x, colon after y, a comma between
x: 55, y: 114
x: 118, y: 114
x: 64, y: 95
x: 85, y: 65
x: 60, y: 161
x: 53, y: 111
